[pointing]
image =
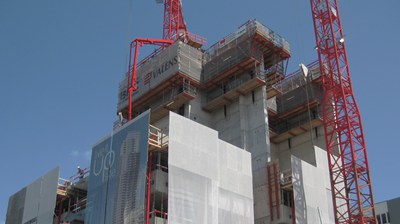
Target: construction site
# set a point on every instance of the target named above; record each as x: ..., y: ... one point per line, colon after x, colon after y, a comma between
x: 223, y: 134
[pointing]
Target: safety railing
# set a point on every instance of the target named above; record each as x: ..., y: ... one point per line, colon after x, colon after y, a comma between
x: 297, y: 79
x: 79, y: 205
x: 271, y: 35
x: 299, y: 97
x: 234, y: 83
x: 62, y: 186
x: 228, y: 58
x: 119, y: 123
x: 302, y: 119
x: 247, y: 30
x: 156, y: 137
x: 159, y: 214
x: 169, y: 95
x: 81, y: 174
x: 197, y: 38
x: 159, y: 167
x: 277, y: 68
x: 271, y: 105
x: 286, y: 177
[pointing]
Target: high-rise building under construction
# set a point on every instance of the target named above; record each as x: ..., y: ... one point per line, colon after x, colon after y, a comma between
x: 216, y: 135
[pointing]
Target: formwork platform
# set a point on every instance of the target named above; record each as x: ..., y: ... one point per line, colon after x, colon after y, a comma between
x: 169, y: 71
x: 242, y: 50
x: 296, y: 108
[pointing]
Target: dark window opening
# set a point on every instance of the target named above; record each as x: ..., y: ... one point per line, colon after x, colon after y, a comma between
x: 314, y: 114
x: 378, y: 217
x: 181, y: 110
x: 316, y: 132
x: 384, y: 218
x: 252, y: 96
x: 289, y: 143
x: 225, y: 110
x: 251, y: 73
x: 287, y: 198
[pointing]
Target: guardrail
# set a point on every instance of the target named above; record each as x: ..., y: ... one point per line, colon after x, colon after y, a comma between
x: 233, y: 83
x: 82, y: 173
x: 296, y: 79
x: 156, y: 137
x: 286, y: 177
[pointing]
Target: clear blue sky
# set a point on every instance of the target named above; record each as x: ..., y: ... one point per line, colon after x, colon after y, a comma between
x: 61, y: 62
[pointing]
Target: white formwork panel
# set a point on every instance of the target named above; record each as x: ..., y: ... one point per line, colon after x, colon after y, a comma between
x: 193, y: 172
x: 36, y: 202
x: 311, y: 187
x: 209, y: 180
x: 235, y: 198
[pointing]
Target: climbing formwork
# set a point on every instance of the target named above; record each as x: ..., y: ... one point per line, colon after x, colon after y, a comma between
x: 246, y: 59
x: 296, y: 108
x: 165, y: 80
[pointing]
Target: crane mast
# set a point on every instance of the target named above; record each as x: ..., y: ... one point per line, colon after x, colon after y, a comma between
x: 347, y: 156
x: 174, y: 26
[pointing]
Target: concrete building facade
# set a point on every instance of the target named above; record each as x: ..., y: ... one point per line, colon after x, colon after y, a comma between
x: 240, y: 90
x: 231, y: 139
x: 388, y: 211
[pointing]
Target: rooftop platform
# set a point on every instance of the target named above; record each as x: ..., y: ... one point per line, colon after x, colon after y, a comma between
x: 241, y: 51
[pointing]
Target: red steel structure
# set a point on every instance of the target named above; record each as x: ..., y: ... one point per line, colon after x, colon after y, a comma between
x: 133, y: 64
x: 174, y: 25
x: 347, y: 156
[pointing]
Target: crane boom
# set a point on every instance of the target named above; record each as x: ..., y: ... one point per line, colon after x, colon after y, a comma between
x: 347, y: 156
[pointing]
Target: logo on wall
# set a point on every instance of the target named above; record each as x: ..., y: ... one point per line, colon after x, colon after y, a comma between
x: 158, y: 72
x: 103, y: 163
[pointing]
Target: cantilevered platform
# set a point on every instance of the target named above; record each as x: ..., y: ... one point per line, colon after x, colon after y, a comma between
x: 295, y: 130
x: 234, y: 93
x: 174, y: 103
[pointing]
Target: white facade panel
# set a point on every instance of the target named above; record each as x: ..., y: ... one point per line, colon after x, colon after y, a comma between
x: 311, y: 187
x: 209, y: 180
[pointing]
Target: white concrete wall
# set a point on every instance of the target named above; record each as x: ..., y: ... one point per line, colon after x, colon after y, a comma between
x: 311, y: 186
x: 209, y: 180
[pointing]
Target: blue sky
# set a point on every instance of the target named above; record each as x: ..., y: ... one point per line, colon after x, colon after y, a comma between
x: 61, y: 62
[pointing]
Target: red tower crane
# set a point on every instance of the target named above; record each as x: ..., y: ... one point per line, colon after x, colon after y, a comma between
x: 347, y: 156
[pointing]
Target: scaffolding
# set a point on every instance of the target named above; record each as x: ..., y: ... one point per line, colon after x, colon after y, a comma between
x: 297, y: 107
x: 72, y: 198
x: 231, y: 89
x: 296, y: 79
x: 177, y: 63
x: 250, y: 43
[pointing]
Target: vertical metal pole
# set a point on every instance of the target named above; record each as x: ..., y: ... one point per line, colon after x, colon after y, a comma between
x: 133, y: 86
x: 149, y: 173
x: 276, y: 180
x: 293, y: 209
x: 271, y: 211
